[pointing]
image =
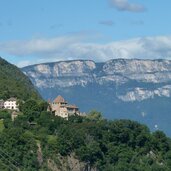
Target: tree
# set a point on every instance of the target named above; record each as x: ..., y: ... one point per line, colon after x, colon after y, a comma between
x: 30, y: 106
x: 95, y: 116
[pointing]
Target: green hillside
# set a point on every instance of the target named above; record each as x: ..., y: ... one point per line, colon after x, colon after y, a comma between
x: 13, y: 83
x: 1, y: 125
x: 40, y: 141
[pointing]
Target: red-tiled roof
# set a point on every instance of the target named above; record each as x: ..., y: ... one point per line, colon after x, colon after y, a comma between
x: 59, y: 99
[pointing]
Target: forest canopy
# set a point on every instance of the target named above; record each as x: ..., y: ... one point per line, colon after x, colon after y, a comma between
x: 37, y: 137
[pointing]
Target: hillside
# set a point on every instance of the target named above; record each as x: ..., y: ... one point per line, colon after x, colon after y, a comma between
x: 39, y: 141
x: 120, y: 88
x: 13, y: 83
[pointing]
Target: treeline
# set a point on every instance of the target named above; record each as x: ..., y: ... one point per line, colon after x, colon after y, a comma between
x: 37, y: 136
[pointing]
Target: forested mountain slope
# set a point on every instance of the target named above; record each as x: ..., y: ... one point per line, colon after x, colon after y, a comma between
x: 13, y: 83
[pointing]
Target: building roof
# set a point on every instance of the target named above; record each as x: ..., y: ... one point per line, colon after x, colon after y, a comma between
x: 59, y: 99
x: 12, y: 99
x: 49, y: 101
x: 72, y: 106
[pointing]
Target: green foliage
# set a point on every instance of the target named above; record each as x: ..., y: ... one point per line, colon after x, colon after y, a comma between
x: 4, y: 114
x: 30, y: 106
x: 119, y: 145
x: 13, y: 83
x: 94, y: 115
x: 20, y: 146
x: 1, y: 125
x: 43, y: 105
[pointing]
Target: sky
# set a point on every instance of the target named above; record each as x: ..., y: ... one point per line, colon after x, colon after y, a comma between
x: 38, y: 31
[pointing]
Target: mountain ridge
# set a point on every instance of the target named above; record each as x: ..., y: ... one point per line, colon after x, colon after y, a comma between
x: 73, y: 60
x: 120, y: 88
x: 111, y: 67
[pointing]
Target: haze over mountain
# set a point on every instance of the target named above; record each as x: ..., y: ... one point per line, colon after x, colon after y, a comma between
x: 120, y: 88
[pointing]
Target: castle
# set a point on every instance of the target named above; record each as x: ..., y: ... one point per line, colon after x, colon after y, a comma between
x: 61, y: 108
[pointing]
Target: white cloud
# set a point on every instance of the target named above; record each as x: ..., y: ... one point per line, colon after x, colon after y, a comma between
x: 77, y: 47
x: 124, y: 5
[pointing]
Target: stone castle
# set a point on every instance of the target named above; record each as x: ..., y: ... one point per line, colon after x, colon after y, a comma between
x: 61, y: 108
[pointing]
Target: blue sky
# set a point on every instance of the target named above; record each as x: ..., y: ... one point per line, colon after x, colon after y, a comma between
x: 51, y: 30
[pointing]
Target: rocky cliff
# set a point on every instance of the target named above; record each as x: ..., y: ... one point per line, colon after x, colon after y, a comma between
x: 131, y: 88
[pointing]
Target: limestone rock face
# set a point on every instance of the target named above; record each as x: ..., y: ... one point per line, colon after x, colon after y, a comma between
x: 116, y: 72
x: 119, y: 88
x: 69, y: 162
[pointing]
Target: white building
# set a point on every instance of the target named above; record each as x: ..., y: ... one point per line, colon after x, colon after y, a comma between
x: 11, y: 104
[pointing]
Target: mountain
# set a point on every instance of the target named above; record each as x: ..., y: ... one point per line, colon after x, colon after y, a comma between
x: 120, y: 88
x: 13, y: 83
